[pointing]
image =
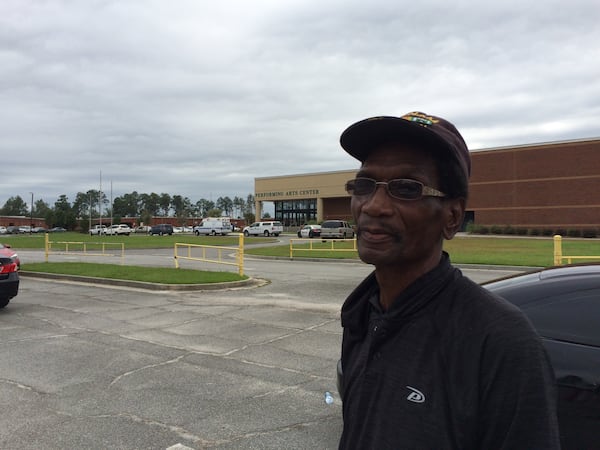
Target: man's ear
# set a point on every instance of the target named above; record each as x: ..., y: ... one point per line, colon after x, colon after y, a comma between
x: 454, y: 216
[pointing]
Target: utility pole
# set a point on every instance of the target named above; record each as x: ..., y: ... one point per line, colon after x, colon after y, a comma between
x: 100, y: 201
x: 31, y: 215
x: 90, y: 208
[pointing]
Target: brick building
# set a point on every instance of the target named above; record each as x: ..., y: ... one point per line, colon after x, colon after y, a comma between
x: 547, y: 186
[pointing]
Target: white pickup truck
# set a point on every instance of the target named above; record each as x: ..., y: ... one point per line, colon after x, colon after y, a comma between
x: 264, y: 229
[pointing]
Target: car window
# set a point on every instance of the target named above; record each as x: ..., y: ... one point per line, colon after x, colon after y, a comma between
x: 568, y: 316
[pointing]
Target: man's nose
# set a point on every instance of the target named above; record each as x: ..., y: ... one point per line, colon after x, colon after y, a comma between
x: 380, y: 201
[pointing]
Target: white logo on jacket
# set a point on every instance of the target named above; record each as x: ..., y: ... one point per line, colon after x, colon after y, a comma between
x: 415, y: 396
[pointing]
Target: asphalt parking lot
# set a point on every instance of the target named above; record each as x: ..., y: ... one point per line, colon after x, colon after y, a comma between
x: 94, y: 367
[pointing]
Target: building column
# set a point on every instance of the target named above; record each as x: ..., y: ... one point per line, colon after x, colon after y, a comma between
x: 258, y: 207
x: 319, y: 209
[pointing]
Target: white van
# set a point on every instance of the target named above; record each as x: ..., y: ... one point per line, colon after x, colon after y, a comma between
x: 213, y: 226
x: 263, y: 229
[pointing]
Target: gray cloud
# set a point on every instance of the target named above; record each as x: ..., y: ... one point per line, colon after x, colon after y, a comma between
x: 199, y: 99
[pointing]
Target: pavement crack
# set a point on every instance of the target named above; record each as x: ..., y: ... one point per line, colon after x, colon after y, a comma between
x: 149, y: 366
x: 278, y: 338
x: 22, y: 386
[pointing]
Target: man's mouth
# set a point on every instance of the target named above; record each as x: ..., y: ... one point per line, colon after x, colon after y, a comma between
x: 375, y: 234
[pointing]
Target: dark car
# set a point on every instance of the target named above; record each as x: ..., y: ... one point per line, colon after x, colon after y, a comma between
x: 9, y: 279
x: 563, y: 303
x: 161, y: 229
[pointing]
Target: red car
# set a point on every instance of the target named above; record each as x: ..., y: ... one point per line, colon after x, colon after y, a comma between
x: 6, y: 251
x: 9, y: 274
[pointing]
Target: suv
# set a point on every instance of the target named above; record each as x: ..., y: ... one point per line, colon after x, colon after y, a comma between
x: 263, y: 229
x: 336, y: 229
x: 160, y: 229
x: 118, y: 230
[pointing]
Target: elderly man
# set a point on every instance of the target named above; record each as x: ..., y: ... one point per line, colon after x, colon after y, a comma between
x: 430, y: 359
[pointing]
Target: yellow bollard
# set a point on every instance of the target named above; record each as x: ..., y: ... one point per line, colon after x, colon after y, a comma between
x: 241, y: 255
x: 558, y: 250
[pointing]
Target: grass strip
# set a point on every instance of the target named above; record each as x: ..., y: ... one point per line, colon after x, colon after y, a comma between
x: 535, y: 252
x: 163, y: 275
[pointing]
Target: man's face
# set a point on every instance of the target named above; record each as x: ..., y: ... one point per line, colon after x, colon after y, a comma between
x: 393, y: 232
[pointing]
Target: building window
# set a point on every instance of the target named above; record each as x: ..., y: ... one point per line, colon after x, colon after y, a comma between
x: 296, y: 212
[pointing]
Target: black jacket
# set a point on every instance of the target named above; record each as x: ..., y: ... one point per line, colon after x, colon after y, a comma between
x: 449, y: 365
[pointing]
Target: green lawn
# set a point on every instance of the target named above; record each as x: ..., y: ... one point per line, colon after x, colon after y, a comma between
x: 538, y: 252
x: 136, y: 273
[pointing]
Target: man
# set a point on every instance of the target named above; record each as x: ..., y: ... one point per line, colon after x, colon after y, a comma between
x: 430, y: 359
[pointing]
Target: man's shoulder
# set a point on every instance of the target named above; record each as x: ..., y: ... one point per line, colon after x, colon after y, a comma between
x: 469, y: 306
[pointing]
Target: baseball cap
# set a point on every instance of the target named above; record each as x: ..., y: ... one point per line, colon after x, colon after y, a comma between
x: 361, y: 138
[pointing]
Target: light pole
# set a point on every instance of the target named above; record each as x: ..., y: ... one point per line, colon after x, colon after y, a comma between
x: 31, y: 215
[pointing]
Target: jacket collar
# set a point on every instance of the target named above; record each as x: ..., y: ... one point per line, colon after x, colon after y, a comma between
x: 356, y: 308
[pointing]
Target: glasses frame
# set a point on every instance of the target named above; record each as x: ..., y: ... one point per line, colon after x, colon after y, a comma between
x: 426, y: 191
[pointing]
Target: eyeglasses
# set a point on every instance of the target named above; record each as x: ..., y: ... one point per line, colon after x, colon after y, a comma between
x: 401, y: 189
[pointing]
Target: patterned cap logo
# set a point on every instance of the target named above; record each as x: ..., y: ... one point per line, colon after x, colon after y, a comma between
x: 420, y: 118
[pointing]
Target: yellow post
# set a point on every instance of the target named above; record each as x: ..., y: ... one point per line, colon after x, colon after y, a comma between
x: 291, y: 249
x: 241, y: 255
x: 175, y: 256
x: 46, y: 246
x: 557, y: 250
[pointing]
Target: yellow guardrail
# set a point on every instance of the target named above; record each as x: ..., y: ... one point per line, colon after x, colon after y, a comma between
x: 316, y: 245
x: 194, y: 249
x: 81, y: 248
x: 559, y: 257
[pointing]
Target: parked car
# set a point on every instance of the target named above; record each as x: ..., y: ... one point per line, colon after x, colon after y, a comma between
x: 98, y: 230
x: 263, y: 229
x: 213, y: 226
x: 23, y: 229
x: 161, y: 229
x: 9, y: 279
x: 2, y: 230
x: 118, y: 230
x: 309, y: 231
x: 337, y: 229
x: 12, y: 229
x: 8, y: 252
x: 39, y: 230
x: 57, y: 230
x: 141, y: 229
x: 563, y: 304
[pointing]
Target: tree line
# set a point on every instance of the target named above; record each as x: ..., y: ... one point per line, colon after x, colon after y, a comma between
x: 93, y: 204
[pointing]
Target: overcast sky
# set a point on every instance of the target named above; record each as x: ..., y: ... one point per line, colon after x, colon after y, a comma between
x: 198, y: 98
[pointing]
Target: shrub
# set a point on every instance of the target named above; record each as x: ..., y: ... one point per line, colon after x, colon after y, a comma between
x: 496, y: 229
x: 521, y: 231
x: 573, y: 232
x: 589, y: 233
x: 508, y: 229
x: 534, y: 232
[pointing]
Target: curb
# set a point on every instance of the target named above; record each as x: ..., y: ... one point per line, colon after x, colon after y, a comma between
x: 250, y: 282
